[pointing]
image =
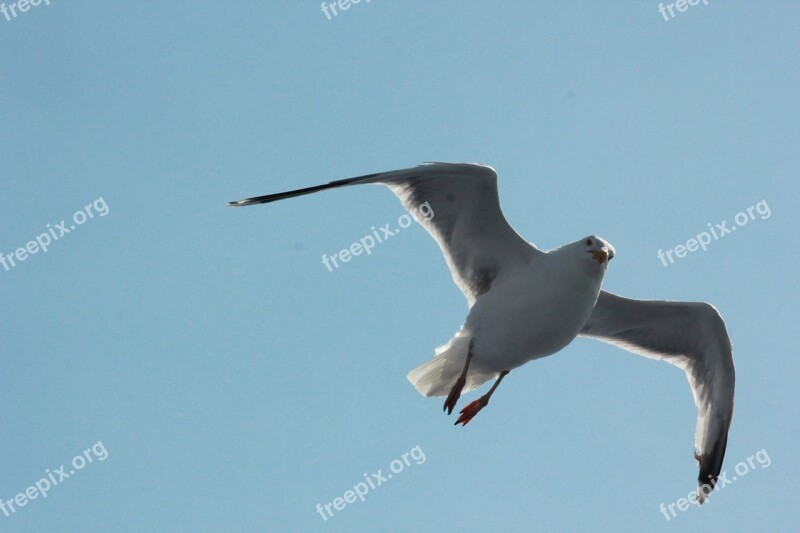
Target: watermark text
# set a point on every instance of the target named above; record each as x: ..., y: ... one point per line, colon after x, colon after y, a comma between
x: 742, y: 469
x: 45, y: 239
x: 369, y: 241
x: 10, y: 11
x: 40, y: 488
x: 717, y: 231
x: 372, y: 481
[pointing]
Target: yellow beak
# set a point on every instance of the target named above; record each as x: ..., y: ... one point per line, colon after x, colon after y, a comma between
x: 600, y: 256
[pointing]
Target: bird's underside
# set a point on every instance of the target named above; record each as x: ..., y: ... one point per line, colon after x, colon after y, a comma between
x: 482, y: 250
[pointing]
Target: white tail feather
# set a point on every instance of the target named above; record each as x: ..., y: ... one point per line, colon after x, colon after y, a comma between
x: 436, y: 376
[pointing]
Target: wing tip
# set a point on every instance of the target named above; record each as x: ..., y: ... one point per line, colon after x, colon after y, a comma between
x: 243, y: 203
x: 710, y: 470
x: 704, y: 491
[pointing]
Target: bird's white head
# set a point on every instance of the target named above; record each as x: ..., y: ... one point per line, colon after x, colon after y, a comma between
x: 593, y: 251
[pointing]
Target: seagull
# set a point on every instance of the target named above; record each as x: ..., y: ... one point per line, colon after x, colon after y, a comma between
x: 526, y: 303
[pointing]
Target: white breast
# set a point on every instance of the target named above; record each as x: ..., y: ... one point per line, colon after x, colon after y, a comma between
x: 534, y: 314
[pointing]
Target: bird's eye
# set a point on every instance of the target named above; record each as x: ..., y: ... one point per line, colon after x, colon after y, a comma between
x: 588, y: 242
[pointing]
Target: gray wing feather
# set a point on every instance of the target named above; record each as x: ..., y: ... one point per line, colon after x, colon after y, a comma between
x: 691, y: 336
x: 478, y: 244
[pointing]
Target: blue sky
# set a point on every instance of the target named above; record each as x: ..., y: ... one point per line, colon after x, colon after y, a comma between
x: 235, y: 382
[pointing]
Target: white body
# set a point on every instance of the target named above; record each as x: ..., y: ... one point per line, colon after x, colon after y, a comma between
x: 530, y: 312
x: 534, y: 314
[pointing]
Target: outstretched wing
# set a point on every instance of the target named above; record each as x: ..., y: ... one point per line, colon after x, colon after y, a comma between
x: 458, y: 204
x: 691, y: 336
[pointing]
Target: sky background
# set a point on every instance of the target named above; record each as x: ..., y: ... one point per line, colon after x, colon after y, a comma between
x: 236, y: 383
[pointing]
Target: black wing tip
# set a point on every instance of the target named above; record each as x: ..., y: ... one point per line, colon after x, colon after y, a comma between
x: 710, y: 470
x: 299, y: 192
x: 246, y: 202
x: 273, y: 197
x: 704, y: 491
x: 705, y: 487
x: 241, y: 203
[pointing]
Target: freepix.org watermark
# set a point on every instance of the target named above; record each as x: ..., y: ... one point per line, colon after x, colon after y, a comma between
x: 14, y: 9
x: 372, y: 481
x: 40, y: 488
x: 717, y: 231
x: 367, y: 242
x: 742, y: 469
x: 680, y: 5
x: 343, y: 5
x: 53, y: 233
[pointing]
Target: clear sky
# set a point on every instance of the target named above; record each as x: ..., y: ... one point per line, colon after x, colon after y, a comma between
x: 230, y: 382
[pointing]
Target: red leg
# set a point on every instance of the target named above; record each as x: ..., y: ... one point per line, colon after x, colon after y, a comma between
x: 469, y: 412
x: 455, y: 392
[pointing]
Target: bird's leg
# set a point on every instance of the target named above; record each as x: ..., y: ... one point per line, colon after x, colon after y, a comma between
x: 472, y: 409
x: 455, y: 392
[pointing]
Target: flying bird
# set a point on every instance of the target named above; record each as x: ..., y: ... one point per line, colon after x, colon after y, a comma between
x: 526, y: 303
